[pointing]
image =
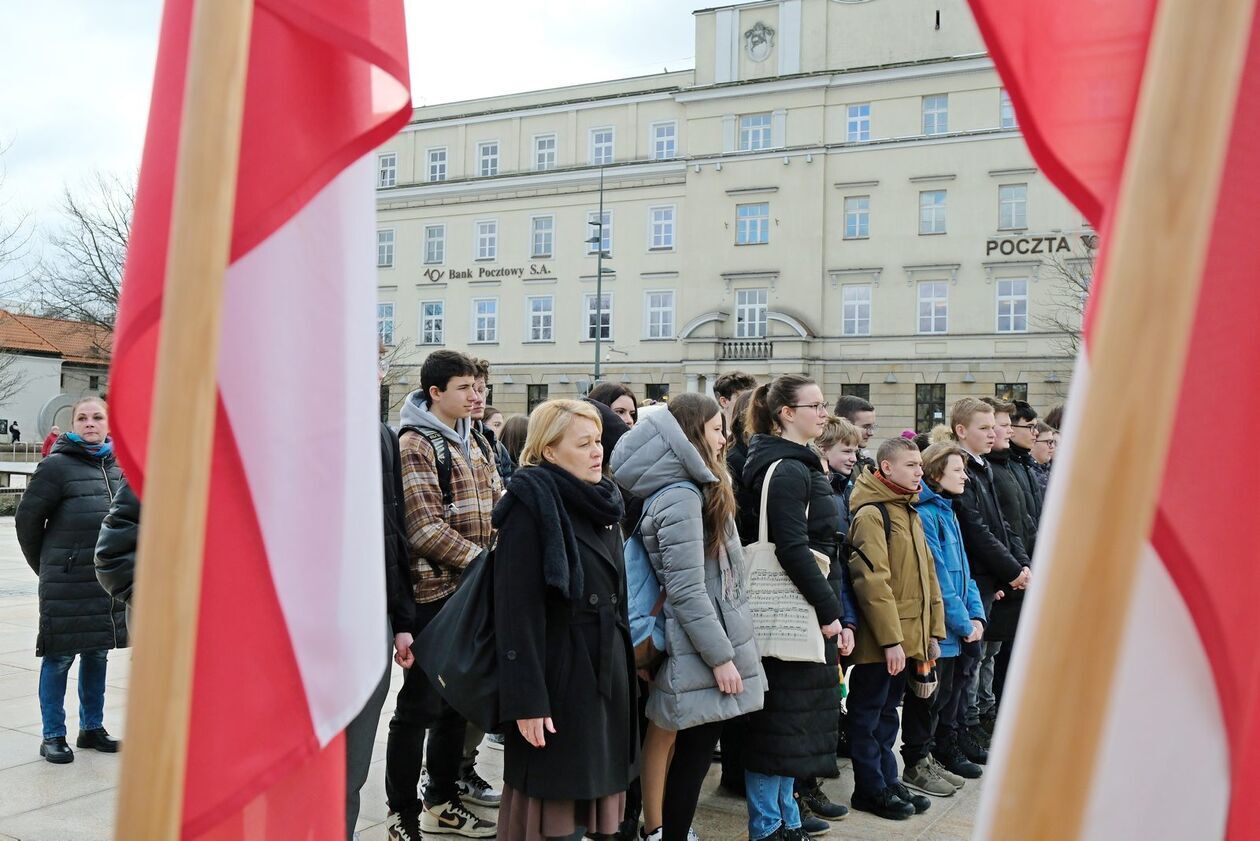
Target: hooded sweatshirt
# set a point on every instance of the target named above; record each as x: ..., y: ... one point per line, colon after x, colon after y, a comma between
x: 415, y: 412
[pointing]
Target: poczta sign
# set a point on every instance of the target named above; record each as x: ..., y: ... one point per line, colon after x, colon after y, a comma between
x: 486, y: 273
x: 1027, y: 245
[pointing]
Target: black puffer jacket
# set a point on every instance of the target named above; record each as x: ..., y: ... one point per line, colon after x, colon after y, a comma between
x: 1021, y: 507
x: 116, y: 546
x: 57, y: 522
x: 994, y: 550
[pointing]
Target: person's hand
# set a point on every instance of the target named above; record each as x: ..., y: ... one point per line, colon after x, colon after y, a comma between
x: 535, y: 729
x: 934, y: 649
x: 1021, y: 580
x: 999, y: 595
x: 895, y: 657
x: 728, y: 679
x: 977, y: 631
x: 402, y: 650
x: 846, y: 642
x: 832, y: 629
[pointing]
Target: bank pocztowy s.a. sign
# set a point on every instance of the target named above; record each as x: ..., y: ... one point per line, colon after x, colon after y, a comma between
x: 1007, y: 246
x: 487, y: 273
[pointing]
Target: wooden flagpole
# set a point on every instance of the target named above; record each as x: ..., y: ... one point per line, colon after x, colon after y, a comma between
x: 173, y: 517
x: 1137, y: 352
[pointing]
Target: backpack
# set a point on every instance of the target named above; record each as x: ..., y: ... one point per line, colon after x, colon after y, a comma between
x: 645, y: 595
x: 883, y: 512
x: 442, y: 459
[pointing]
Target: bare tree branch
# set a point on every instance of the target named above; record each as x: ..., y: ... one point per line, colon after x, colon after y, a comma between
x: 1072, y: 277
x: 13, y: 378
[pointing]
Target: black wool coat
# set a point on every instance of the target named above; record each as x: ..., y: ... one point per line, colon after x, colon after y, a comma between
x: 57, y: 523
x: 1020, y: 504
x: 994, y: 551
x: 569, y: 659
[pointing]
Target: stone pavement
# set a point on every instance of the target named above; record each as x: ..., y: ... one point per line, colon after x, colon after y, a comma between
x: 43, y: 802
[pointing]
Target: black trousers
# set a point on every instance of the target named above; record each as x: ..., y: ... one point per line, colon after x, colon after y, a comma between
x: 920, y: 716
x: 951, y: 697
x: 420, y: 709
x: 733, y: 753
x: 873, y: 725
x: 1001, y: 663
x: 693, y: 753
x: 360, y: 737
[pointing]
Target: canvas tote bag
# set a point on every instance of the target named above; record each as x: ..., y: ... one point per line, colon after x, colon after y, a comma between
x: 784, y: 622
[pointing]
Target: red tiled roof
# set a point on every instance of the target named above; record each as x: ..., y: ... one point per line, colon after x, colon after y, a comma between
x: 73, y: 341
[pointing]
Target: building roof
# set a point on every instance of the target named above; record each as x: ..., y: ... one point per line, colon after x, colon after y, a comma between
x: 73, y: 341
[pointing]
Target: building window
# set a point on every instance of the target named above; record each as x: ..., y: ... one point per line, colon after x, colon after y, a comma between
x: 488, y: 158
x: 387, y: 170
x: 857, y: 217
x: 936, y: 114
x: 601, y: 227
x: 1006, y: 392
x: 656, y: 391
x: 661, y: 225
x: 545, y: 152
x: 752, y: 224
x: 94, y: 383
x: 542, y: 316
x: 385, y: 249
x: 933, y: 306
x: 664, y: 141
x: 857, y: 310
x: 1006, y: 111
x: 862, y: 390
x: 437, y: 164
x: 1013, y: 206
x: 859, y: 129
x: 932, y: 212
x: 384, y: 324
x: 659, y: 308
x: 750, y: 313
x: 485, y: 320
x: 598, y: 319
x: 754, y: 132
x: 488, y: 240
x: 535, y: 396
x: 432, y: 322
x: 1012, y: 305
x: 542, y: 236
x: 929, y: 405
x: 434, y: 244
x: 601, y: 146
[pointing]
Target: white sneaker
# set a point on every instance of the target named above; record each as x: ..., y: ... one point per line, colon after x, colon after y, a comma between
x: 453, y: 818
x: 691, y: 834
x: 655, y: 836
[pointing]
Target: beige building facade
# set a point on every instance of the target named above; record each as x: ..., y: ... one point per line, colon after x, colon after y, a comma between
x: 838, y: 189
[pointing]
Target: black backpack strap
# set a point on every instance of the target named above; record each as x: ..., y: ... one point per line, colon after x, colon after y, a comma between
x: 441, y: 459
x: 883, y: 512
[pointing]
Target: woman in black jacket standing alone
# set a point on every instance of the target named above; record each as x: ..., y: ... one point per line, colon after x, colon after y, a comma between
x: 57, y: 524
x: 566, y: 665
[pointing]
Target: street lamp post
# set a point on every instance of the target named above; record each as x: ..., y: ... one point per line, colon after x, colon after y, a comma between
x: 600, y: 254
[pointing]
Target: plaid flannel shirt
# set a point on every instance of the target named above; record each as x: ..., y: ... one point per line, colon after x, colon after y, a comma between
x: 449, y: 540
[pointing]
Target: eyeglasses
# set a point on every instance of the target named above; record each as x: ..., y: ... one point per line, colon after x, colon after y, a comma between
x: 817, y: 407
x: 868, y: 427
x: 1022, y: 426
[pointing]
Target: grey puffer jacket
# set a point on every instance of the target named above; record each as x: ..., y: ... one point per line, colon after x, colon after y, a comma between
x: 707, y: 622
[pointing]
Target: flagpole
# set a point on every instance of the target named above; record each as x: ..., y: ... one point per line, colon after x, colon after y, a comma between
x: 173, y: 519
x: 1051, y: 726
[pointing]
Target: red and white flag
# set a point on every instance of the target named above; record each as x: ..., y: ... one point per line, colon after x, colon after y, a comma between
x: 291, y: 636
x: 1179, y: 756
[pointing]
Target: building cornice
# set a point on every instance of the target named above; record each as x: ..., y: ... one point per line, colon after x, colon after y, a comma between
x: 572, y: 177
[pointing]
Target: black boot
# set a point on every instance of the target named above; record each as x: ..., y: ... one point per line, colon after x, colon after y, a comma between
x: 885, y: 804
x: 951, y: 757
x: 920, y: 803
x: 99, y: 740
x: 56, y: 751
x: 971, y: 746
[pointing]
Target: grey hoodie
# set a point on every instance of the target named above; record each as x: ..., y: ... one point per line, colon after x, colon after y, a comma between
x: 415, y: 412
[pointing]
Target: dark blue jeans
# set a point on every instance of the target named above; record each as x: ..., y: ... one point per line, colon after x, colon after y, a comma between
x: 52, y: 691
x: 873, y: 726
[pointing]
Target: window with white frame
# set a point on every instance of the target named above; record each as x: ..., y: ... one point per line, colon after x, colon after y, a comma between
x: 545, y: 152
x: 1006, y: 110
x: 598, y: 310
x: 485, y: 320
x: 752, y: 224
x: 857, y: 217
x: 432, y: 322
x: 933, y: 306
x: 661, y: 225
x: 859, y: 123
x: 601, y: 146
x: 1013, y: 206
x: 488, y: 158
x: 664, y: 141
x: 658, y: 307
x: 1012, y: 305
x: 750, y: 313
x: 755, y: 132
x: 542, y: 236
x: 387, y: 170
x: 936, y: 114
x: 602, y: 230
x: 857, y: 310
x: 488, y: 239
x: 437, y: 164
x: 385, y: 323
x: 932, y: 212
x: 542, y: 317
x: 385, y: 249
x: 434, y: 244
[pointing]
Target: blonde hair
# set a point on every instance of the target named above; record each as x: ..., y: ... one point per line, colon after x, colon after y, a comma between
x: 936, y: 459
x: 963, y: 410
x: 74, y: 410
x: 549, y: 422
x: 940, y: 434
x: 839, y: 431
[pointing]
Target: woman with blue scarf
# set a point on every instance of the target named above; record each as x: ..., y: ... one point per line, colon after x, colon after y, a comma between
x: 57, y: 522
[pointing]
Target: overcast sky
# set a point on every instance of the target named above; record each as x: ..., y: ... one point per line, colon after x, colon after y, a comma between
x: 77, y: 73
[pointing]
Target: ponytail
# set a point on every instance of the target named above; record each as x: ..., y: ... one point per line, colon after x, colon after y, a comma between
x: 769, y: 399
x: 759, y: 419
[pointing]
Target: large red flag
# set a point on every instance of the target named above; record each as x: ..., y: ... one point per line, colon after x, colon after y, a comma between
x: 291, y: 632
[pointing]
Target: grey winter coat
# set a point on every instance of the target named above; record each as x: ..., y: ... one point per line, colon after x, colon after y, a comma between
x: 707, y: 622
